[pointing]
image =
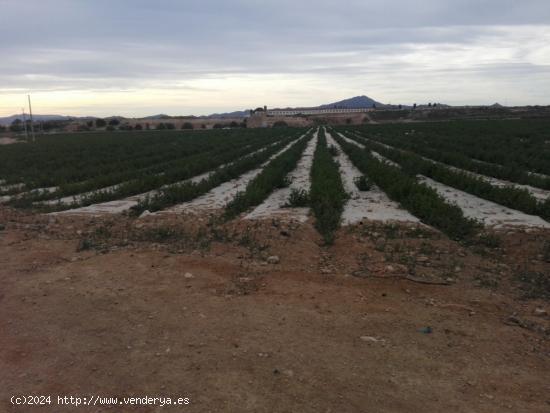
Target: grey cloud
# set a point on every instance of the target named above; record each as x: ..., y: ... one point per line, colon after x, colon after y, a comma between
x: 131, y: 44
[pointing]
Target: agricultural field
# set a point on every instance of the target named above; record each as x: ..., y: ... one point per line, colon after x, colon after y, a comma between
x: 285, y: 261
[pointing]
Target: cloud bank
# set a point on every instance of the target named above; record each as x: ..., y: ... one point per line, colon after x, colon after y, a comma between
x: 141, y: 57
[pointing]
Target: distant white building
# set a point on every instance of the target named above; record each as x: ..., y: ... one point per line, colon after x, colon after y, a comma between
x: 313, y: 111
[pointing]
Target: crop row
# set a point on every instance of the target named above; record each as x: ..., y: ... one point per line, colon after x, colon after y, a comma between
x: 419, y: 199
x: 156, y: 174
x: 522, y: 145
x: 189, y: 190
x: 510, y: 196
x: 184, y: 169
x: 450, y: 156
x: 58, y: 160
x: 327, y: 195
x: 272, y: 177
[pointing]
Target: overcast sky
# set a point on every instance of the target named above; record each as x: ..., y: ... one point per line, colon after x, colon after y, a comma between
x: 142, y: 57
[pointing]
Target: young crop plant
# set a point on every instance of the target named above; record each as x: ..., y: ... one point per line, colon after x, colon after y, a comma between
x: 272, y: 177
x: 184, y: 169
x: 188, y: 190
x: 509, y: 196
x: 514, y: 150
x: 520, y: 146
x: 70, y: 165
x: 419, y: 199
x: 362, y: 183
x: 298, y: 198
x: 327, y: 193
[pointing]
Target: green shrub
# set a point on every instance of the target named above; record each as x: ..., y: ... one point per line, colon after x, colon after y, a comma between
x: 333, y: 150
x: 362, y: 183
x: 298, y: 198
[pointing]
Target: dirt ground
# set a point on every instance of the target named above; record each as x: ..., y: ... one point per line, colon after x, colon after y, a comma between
x: 260, y: 317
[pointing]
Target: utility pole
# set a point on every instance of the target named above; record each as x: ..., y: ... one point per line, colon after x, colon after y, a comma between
x: 25, y: 123
x: 30, y: 111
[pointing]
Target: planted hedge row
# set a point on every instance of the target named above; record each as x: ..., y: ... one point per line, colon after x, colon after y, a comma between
x: 460, y: 160
x: 327, y: 194
x: 517, y: 144
x: 419, y: 199
x: 272, y: 177
x: 187, y: 191
x: 190, y: 167
x: 57, y: 160
x: 510, y: 196
x: 135, y: 181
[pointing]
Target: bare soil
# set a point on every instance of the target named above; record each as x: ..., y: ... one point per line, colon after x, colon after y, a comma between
x: 103, y: 306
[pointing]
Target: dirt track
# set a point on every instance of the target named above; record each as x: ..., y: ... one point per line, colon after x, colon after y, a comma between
x: 325, y: 330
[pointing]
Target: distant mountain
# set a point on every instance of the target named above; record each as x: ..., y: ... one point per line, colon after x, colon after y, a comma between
x: 160, y: 116
x: 353, y: 103
x: 236, y: 114
x: 41, y: 118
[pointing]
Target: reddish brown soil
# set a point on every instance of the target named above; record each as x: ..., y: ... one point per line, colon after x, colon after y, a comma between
x: 95, y: 307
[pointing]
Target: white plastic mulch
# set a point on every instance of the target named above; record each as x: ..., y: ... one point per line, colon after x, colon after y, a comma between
x: 121, y: 205
x: 274, y: 205
x: 489, y: 213
x: 373, y: 204
x: 219, y: 196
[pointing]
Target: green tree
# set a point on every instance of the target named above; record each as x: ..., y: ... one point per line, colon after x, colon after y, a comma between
x: 17, y: 125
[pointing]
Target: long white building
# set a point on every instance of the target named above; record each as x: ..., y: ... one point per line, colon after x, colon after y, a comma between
x: 313, y: 111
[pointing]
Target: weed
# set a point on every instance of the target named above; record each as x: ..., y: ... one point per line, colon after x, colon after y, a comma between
x: 534, y: 284
x: 546, y: 251
x: 85, y: 244
x: 298, y: 198
x: 489, y: 240
x: 362, y: 183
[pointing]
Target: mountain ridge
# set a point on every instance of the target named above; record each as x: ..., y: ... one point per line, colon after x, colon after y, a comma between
x: 361, y: 101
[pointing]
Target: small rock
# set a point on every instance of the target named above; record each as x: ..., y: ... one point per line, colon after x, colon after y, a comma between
x: 389, y: 268
x: 188, y: 275
x: 422, y: 258
x: 370, y: 339
x: 145, y: 213
x: 273, y: 259
x: 457, y: 269
x: 540, y: 312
